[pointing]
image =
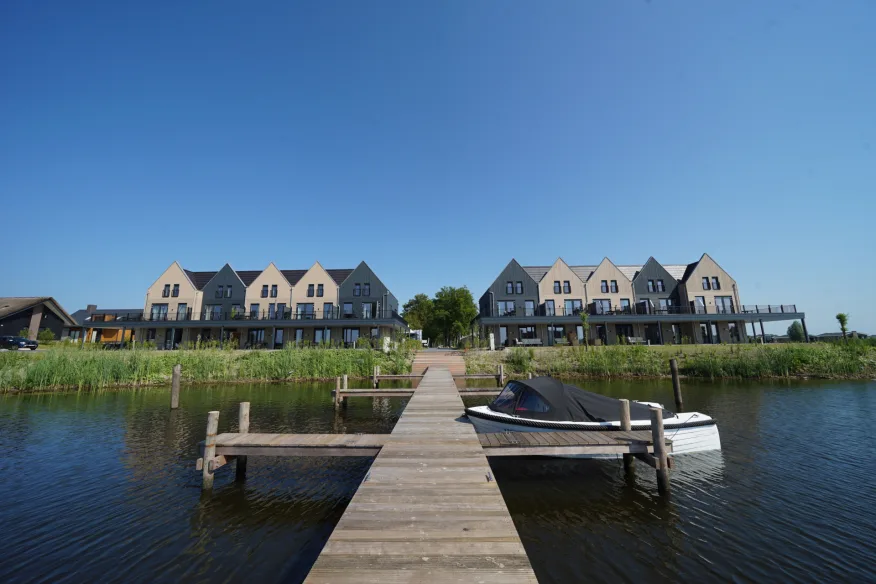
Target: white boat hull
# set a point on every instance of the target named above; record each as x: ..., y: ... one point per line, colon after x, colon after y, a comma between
x: 699, y: 438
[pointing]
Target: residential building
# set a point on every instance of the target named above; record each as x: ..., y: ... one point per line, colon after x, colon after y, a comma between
x: 85, y: 316
x: 264, y: 308
x: 649, y: 303
x: 34, y: 314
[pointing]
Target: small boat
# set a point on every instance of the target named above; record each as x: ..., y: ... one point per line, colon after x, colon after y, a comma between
x: 545, y: 404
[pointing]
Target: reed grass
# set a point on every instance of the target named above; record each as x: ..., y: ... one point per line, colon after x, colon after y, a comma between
x: 94, y: 369
x: 824, y: 360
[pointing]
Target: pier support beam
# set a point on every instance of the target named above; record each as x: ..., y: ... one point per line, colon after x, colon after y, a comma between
x: 174, y: 386
x: 676, y: 385
x: 210, y: 450
x: 762, y: 334
x: 626, y: 426
x: 242, y: 428
x: 805, y: 331
x: 661, y: 459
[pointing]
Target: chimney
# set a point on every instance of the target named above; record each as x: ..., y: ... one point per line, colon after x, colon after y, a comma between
x: 90, y: 308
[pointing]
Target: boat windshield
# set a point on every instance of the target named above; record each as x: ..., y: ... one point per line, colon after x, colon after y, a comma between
x: 505, y: 401
x: 529, y: 403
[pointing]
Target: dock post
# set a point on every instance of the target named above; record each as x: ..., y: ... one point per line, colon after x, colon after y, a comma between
x: 346, y: 387
x: 626, y: 426
x: 337, y: 398
x: 242, y: 428
x: 374, y: 376
x: 676, y: 385
x: 174, y: 386
x: 501, y: 375
x: 529, y: 375
x: 210, y: 449
x: 661, y: 460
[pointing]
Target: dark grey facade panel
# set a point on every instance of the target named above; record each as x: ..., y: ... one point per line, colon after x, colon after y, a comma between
x: 497, y: 292
x: 652, y: 270
x: 21, y: 320
x: 224, y: 277
x: 378, y: 293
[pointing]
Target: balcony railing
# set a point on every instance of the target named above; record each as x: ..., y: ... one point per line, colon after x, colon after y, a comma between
x: 644, y: 308
x: 248, y: 315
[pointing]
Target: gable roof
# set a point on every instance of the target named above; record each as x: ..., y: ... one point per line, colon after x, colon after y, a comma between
x: 15, y: 304
x: 199, y: 279
x: 82, y: 315
x: 537, y: 273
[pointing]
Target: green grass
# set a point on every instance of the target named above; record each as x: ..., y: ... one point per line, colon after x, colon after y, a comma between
x: 825, y: 360
x: 96, y: 369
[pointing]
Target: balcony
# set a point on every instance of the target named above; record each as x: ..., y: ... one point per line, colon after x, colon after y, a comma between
x: 241, y: 315
x: 645, y: 309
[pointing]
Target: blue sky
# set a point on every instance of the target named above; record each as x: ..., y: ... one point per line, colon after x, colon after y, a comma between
x: 438, y: 140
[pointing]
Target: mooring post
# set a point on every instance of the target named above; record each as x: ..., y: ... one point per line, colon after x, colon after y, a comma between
x: 374, y: 377
x: 174, y: 386
x: 501, y: 375
x: 626, y: 426
x: 210, y: 449
x: 377, y: 382
x: 337, y: 399
x: 676, y: 385
x: 529, y: 376
x: 346, y: 387
x: 661, y: 460
x: 242, y: 428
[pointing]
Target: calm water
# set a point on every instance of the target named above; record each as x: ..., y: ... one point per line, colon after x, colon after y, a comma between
x: 103, y: 487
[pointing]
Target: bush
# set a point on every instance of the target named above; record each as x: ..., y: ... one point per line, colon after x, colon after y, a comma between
x: 46, y: 336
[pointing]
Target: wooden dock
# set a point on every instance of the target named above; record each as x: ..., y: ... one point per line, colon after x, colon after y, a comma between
x: 429, y: 509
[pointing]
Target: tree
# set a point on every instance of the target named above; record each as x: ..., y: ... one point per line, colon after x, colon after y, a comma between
x: 46, y: 335
x: 795, y: 332
x: 585, y: 324
x: 24, y: 333
x: 453, y: 311
x: 418, y: 311
x: 843, y: 319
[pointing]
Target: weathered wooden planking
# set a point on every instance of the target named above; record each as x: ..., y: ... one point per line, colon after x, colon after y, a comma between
x: 567, y: 443
x: 299, y: 444
x: 429, y: 509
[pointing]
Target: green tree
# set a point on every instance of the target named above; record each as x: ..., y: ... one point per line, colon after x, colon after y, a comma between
x: 843, y: 319
x: 795, y: 332
x: 585, y: 324
x: 453, y: 311
x: 418, y: 311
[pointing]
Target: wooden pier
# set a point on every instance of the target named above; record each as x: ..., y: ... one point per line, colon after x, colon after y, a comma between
x: 429, y: 508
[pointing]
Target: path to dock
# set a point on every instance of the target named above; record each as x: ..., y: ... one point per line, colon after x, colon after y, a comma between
x: 429, y: 510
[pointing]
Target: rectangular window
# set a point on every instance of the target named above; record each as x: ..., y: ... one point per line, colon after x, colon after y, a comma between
x: 529, y: 307
x: 236, y: 311
x: 322, y: 336
x: 304, y: 311
x: 265, y: 291
x: 366, y: 289
x: 579, y: 330
x: 549, y: 309
x: 367, y: 310
x: 159, y: 312
x: 348, y: 309
x: 503, y: 336
x: 603, y: 286
x: 706, y: 285
x: 577, y: 306
x: 213, y: 312
x: 700, y: 304
x: 650, y: 285
x: 357, y: 289
x: 375, y: 332
x: 624, y: 331
x: 625, y: 305
x: 328, y: 310
x: 351, y: 335
x: 509, y: 287
x: 734, y: 332
x: 272, y: 311
x: 299, y: 335
x: 614, y: 286
x: 603, y: 305
x: 664, y: 303
x: 310, y: 290
x: 175, y: 292
x: 150, y: 335
x: 660, y: 286
x: 518, y: 287
x: 165, y: 293
x: 228, y: 291
x: 724, y: 304
x: 567, y: 287
x: 716, y: 284
x: 555, y: 334
x: 220, y: 291
x: 278, y: 338
x: 182, y: 311
x: 256, y: 338
x: 319, y: 290
x: 253, y: 310
x: 281, y: 310
x: 273, y: 290
x: 506, y: 308
x: 556, y: 286
x: 528, y: 332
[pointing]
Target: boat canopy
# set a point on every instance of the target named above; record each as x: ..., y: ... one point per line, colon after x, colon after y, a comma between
x: 546, y: 398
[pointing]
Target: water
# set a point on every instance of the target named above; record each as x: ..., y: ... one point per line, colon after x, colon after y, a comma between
x: 103, y: 487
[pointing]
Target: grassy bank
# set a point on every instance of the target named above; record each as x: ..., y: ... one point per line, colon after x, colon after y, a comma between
x: 95, y: 369
x: 824, y: 360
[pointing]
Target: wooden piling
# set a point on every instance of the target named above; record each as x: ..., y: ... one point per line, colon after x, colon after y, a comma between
x: 661, y: 459
x: 337, y: 398
x: 501, y: 375
x: 210, y: 449
x: 242, y: 428
x: 626, y: 426
x: 346, y: 387
x: 529, y: 376
x: 174, y: 387
x: 676, y: 385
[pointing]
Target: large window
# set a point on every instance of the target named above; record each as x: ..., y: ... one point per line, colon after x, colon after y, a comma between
x: 272, y: 311
x: 528, y: 332
x: 506, y: 308
x: 278, y: 338
x: 724, y: 304
x: 182, y: 311
x: 320, y: 290
x: 549, y: 308
x: 367, y: 310
x: 253, y: 310
x: 304, y: 310
x: 256, y: 337
x: 509, y: 287
x: 603, y: 305
x: 567, y: 287
x: 299, y: 335
x: 351, y: 335
x: 281, y: 310
x: 700, y: 304
x: 348, y: 309
x: 556, y: 286
x: 556, y: 333
x: 158, y: 312
x: 665, y: 303
x: 322, y: 336
x: 213, y: 312
x: 175, y: 292
x: 236, y: 310
x: 265, y: 291
x: 529, y: 307
x: 328, y: 310
x: 624, y: 331
x: 625, y: 305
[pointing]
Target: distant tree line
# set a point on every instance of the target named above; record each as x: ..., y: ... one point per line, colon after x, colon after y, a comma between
x: 445, y: 318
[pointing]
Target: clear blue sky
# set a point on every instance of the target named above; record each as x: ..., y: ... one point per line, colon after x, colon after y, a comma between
x: 438, y: 140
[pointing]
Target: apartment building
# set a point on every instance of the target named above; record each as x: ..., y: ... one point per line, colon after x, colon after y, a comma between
x: 264, y: 308
x: 651, y: 303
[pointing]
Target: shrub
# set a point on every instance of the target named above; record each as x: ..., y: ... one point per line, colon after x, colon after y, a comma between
x: 45, y: 336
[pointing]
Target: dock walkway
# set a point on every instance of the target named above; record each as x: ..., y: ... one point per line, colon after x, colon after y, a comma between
x: 429, y: 509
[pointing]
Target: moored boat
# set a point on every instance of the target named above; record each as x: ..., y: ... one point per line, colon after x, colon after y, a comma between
x: 545, y: 404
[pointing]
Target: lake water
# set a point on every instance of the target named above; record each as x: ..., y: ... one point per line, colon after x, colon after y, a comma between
x: 102, y: 487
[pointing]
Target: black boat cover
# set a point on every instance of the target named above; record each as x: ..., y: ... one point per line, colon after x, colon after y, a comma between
x: 546, y: 398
